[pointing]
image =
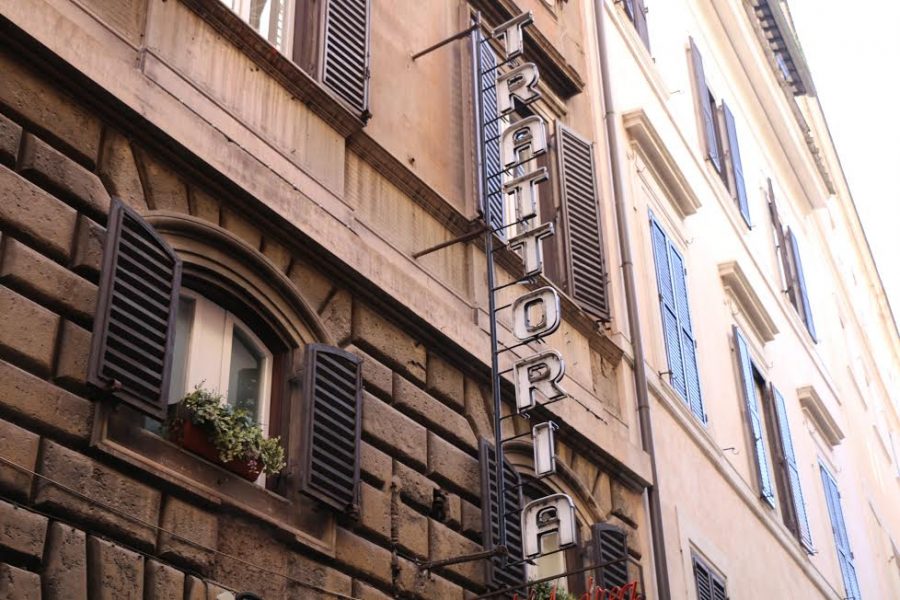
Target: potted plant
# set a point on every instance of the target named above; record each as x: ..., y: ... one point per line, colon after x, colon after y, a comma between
x: 546, y: 591
x: 208, y: 426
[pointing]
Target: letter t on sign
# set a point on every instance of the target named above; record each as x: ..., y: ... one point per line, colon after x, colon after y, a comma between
x: 511, y: 32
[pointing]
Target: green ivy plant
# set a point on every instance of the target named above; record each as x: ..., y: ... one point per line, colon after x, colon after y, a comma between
x: 542, y: 591
x: 231, y: 430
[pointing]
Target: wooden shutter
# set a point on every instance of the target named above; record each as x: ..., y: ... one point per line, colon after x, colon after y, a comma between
x: 705, y: 109
x: 490, y: 123
x: 639, y: 17
x: 686, y: 333
x: 709, y: 585
x: 754, y: 418
x: 581, y: 213
x: 783, y: 251
x: 332, y: 417
x: 609, y: 543
x: 345, y: 65
x: 497, y: 574
x: 574, y: 560
x: 738, y: 189
x: 134, y: 326
x: 801, y: 524
x: 841, y: 540
x: 800, y: 281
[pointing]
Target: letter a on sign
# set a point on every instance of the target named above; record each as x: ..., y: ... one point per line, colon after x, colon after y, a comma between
x: 546, y: 515
x: 539, y: 373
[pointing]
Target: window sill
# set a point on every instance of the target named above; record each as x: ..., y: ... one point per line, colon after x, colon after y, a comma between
x: 299, y: 517
x: 302, y: 85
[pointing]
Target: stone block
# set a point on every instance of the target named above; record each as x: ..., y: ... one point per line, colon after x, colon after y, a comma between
x: 119, y: 171
x: 217, y: 592
x: 471, y: 519
x: 63, y: 177
x: 27, y: 331
x: 36, y: 276
x: 20, y: 447
x: 336, y: 315
x: 364, y: 591
x: 162, y: 582
x: 245, y: 539
x: 72, y: 357
x: 22, y: 532
x: 241, y: 227
x: 426, y: 409
x: 277, y: 253
x: 194, y: 588
x: 10, y: 137
x: 388, y: 342
x: 425, y: 586
x: 362, y: 556
x: 115, y: 573
x: 163, y: 188
x: 393, y: 432
x: 18, y: 584
x: 444, y: 542
x: 415, y: 489
x: 311, y: 283
x: 40, y: 102
x: 87, y: 256
x: 377, y: 378
x: 131, y: 503
x: 625, y: 504
x: 477, y: 402
x: 412, y: 530
x: 44, y: 406
x: 453, y: 469
x: 195, y: 535
x: 375, y: 466
x: 35, y: 216
x: 203, y: 205
x: 375, y: 512
x: 453, y: 511
x: 446, y: 382
x: 316, y: 574
x: 65, y: 565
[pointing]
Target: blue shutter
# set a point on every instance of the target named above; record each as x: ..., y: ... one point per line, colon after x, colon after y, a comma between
x: 793, y: 472
x: 841, y: 541
x: 491, y: 125
x: 754, y: 418
x: 710, y: 136
x: 801, y: 284
x: 686, y: 334
x: 737, y: 170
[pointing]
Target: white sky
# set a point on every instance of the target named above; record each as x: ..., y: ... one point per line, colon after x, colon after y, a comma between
x: 853, y: 50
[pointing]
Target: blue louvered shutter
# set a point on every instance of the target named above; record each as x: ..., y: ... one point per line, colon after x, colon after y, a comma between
x: 345, y: 68
x: 793, y: 473
x: 737, y: 170
x: 686, y: 334
x: 667, y: 307
x: 707, y: 117
x: 841, y: 540
x: 754, y: 418
x: 803, y: 297
x: 490, y: 123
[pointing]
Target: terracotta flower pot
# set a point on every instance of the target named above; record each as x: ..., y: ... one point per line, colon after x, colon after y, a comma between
x: 195, y: 438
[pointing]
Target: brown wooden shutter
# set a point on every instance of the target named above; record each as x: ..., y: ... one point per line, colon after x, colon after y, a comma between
x: 345, y: 65
x: 575, y: 561
x: 134, y: 326
x: 705, y: 108
x: 639, y: 17
x: 332, y: 390
x: 609, y: 543
x: 581, y: 215
x: 498, y: 575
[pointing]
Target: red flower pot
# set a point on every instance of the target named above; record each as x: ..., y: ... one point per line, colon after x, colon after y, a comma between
x: 196, y: 439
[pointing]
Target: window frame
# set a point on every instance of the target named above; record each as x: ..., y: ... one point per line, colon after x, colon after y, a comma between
x: 713, y: 576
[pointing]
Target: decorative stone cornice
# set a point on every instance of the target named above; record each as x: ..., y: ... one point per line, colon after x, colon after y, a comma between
x: 736, y: 283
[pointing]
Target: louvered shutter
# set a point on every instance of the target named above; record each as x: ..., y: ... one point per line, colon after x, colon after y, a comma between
x: 705, y: 107
x: 802, y: 295
x: 686, y: 333
x: 581, y: 213
x: 609, y: 543
x: 754, y: 418
x: 490, y: 123
x: 345, y: 65
x: 640, y: 22
x: 497, y: 574
x: 703, y: 581
x: 332, y: 392
x: 718, y: 588
x: 134, y: 326
x: 793, y: 473
x: 841, y: 540
x: 737, y: 170
x: 666, y: 287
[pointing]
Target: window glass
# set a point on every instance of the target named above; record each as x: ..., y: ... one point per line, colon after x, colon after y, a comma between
x: 548, y: 565
x: 183, y: 321
x: 267, y: 17
x: 244, y: 374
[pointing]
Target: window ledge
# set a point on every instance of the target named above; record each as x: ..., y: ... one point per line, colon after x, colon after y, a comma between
x: 824, y: 421
x: 299, y: 83
x: 736, y: 283
x: 655, y: 151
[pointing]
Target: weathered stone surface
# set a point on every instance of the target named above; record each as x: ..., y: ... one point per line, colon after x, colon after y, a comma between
x: 18, y: 584
x: 163, y: 188
x: 453, y: 511
x: 277, y: 253
x: 194, y: 588
x: 444, y: 543
x: 20, y: 447
x: 217, y: 592
x: 375, y: 513
x: 393, y: 431
x: 375, y: 465
x: 415, y: 489
x: 41, y: 102
x: 336, y: 315
x: 162, y: 582
x: 63, y: 177
x: 65, y: 568
x: 203, y: 205
x: 33, y: 274
x: 104, y: 485
x: 241, y: 227
x: 412, y: 530
x: 377, y: 378
x: 88, y: 254
x: 446, y: 382
x: 602, y: 492
x: 27, y: 331
x: 195, y: 535
x: 44, y: 406
x: 411, y: 580
x: 388, y: 342
x: 311, y: 283
x: 476, y: 409
x: 362, y: 556
x: 364, y: 591
x: 471, y: 519
x: 242, y: 538
x: 313, y: 573
x: 425, y: 408
x: 72, y: 358
x: 453, y: 468
x: 625, y: 504
x: 116, y: 573
x: 119, y: 171
x: 35, y: 216
x: 10, y: 137
x: 22, y: 532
